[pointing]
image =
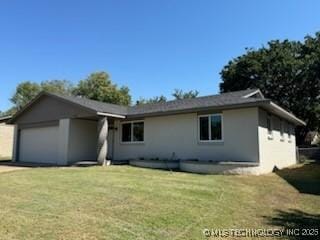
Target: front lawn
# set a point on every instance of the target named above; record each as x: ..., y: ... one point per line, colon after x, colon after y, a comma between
x: 122, y: 202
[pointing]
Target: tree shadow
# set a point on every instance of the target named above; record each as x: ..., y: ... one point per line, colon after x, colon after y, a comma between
x: 305, y: 178
x: 297, y: 224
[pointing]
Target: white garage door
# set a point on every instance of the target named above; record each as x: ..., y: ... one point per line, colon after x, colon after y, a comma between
x: 39, y: 145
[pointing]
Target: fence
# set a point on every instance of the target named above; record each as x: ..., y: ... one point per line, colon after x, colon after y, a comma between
x: 311, y: 153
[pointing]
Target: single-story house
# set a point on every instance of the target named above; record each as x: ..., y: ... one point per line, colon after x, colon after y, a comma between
x: 6, y: 137
x: 236, y: 132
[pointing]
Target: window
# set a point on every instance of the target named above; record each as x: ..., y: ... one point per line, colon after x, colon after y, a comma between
x: 281, y: 130
x: 126, y: 132
x: 210, y: 127
x: 204, y: 128
x: 138, y: 131
x: 132, y: 131
x: 269, y: 125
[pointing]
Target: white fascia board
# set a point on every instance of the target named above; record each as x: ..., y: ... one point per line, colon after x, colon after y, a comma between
x: 289, y: 116
x: 253, y: 93
x: 110, y: 115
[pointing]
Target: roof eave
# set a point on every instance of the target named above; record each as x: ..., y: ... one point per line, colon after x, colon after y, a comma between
x: 257, y: 91
x: 198, y: 109
x: 273, y: 107
x: 106, y: 114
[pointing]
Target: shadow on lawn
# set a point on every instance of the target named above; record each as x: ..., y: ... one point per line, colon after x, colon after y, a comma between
x: 294, y: 219
x: 306, y: 179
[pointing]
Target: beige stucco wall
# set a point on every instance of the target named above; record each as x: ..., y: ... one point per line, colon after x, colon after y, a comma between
x: 82, y: 143
x: 275, y: 152
x: 178, y: 134
x: 6, y: 140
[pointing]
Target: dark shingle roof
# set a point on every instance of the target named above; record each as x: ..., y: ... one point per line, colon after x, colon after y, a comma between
x: 245, y: 98
x: 94, y: 105
x: 219, y: 100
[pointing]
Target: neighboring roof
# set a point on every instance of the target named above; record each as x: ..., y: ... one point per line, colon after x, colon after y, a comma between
x: 237, y: 99
x: 5, y: 118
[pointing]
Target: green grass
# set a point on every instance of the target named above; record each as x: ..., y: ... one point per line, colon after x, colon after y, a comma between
x: 122, y: 202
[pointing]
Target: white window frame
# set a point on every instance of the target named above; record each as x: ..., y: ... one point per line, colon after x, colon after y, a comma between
x: 132, y: 122
x: 270, y: 133
x: 282, y: 130
x: 209, y: 125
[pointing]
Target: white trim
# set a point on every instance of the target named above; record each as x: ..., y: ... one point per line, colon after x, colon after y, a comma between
x: 253, y: 93
x: 131, y: 122
x: 209, y: 126
x: 110, y: 115
x: 5, y: 118
x: 286, y: 113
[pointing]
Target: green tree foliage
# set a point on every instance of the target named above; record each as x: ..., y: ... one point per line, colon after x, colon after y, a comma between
x: 98, y: 86
x: 57, y: 86
x: 179, y: 94
x: 8, y: 112
x: 287, y: 72
x: 158, y: 99
x: 25, y: 91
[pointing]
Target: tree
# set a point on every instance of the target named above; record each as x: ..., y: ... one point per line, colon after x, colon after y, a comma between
x: 157, y: 99
x: 25, y: 91
x: 179, y: 94
x: 57, y: 86
x: 287, y: 72
x: 8, y: 112
x: 98, y: 86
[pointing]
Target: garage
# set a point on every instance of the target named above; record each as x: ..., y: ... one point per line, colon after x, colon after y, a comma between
x: 63, y: 130
x: 39, y: 145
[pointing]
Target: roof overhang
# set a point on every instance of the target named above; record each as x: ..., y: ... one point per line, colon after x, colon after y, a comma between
x: 110, y: 115
x: 263, y: 103
x: 256, y: 92
x: 197, y: 109
x: 279, y: 111
x: 5, y: 119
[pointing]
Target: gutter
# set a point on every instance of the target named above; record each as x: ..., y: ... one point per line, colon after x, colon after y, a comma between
x: 282, y: 112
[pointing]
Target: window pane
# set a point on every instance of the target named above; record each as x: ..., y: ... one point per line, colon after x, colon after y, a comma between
x: 204, y: 128
x: 126, y: 132
x: 138, y: 131
x: 216, y: 129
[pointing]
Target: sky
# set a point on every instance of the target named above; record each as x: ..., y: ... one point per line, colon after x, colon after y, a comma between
x: 151, y: 46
